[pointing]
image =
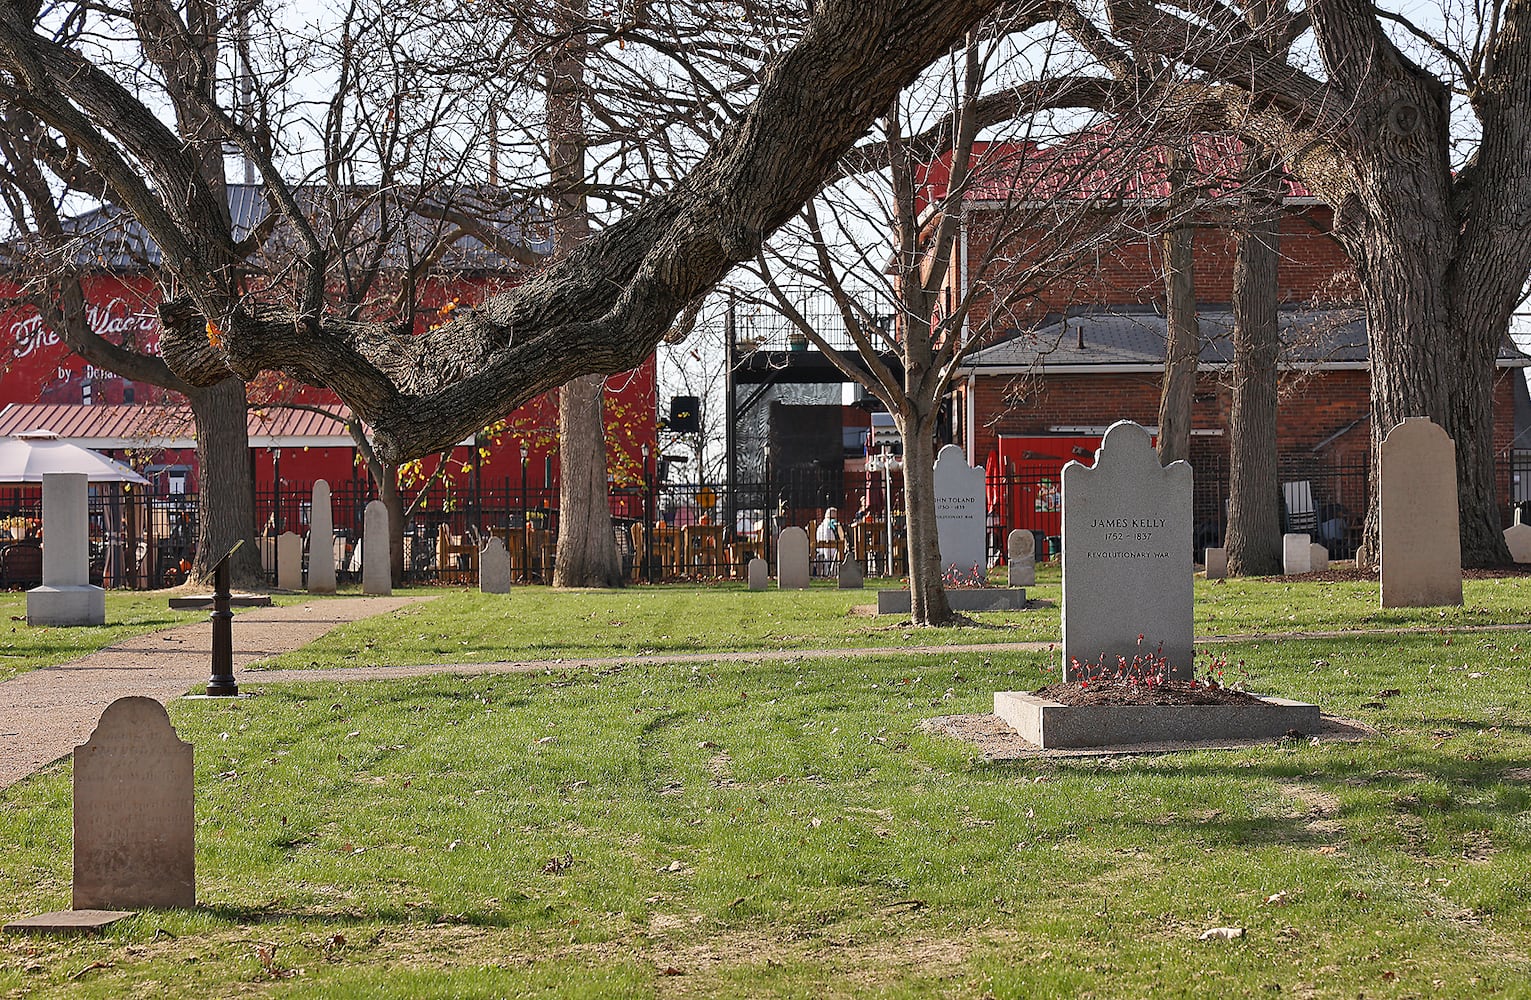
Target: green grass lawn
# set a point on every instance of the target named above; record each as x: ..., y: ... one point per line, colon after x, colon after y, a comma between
x: 536, y: 623
x: 784, y: 828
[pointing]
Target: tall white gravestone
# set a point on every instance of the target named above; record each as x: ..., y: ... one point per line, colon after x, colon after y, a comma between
x: 66, y: 596
x: 1421, y: 541
x: 960, y: 520
x: 376, y: 576
x: 1127, y: 556
x: 321, y: 542
x: 1296, y: 554
x: 289, y: 561
x: 792, y: 559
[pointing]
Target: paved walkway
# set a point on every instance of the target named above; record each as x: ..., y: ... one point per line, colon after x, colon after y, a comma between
x: 45, y: 714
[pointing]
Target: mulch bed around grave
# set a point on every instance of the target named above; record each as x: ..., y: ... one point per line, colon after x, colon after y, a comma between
x: 1166, y: 693
x: 1343, y: 573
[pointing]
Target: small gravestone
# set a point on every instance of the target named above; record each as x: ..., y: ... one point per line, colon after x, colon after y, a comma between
x: 960, y: 521
x: 494, y: 567
x: 321, y: 542
x: 1421, y: 548
x: 1363, y: 556
x: 376, y: 575
x: 1518, y: 537
x: 849, y: 576
x: 1296, y: 554
x: 1318, y: 559
x: 1217, y: 564
x: 792, y: 559
x: 289, y: 561
x: 1021, y: 555
x: 759, y: 574
x: 1127, y: 556
x: 134, y: 843
x: 66, y: 596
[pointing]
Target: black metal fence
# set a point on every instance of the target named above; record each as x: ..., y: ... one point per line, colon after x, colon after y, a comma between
x: 663, y: 530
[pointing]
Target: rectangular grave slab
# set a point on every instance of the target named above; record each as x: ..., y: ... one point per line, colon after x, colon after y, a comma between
x: 792, y: 559
x: 198, y: 602
x: 1052, y: 726
x: 1128, y: 578
x: 376, y: 573
x: 1296, y: 554
x: 289, y: 561
x: 1217, y: 564
x: 899, y: 602
x: 68, y: 922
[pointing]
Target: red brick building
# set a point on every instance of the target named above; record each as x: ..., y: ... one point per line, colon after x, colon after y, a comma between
x: 1089, y: 350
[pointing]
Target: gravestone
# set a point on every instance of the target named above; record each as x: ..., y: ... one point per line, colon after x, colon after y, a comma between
x: 1217, y: 564
x: 792, y: 559
x: 289, y: 561
x: 1518, y: 537
x: 376, y: 576
x: 1296, y: 554
x: 1421, y: 549
x: 759, y: 574
x: 1021, y: 554
x: 494, y: 567
x: 849, y: 576
x: 321, y: 542
x: 66, y: 596
x: 134, y: 842
x: 960, y: 520
x: 1127, y: 569
x: 1318, y: 559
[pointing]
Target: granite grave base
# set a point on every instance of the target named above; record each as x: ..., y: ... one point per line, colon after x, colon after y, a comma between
x: 897, y: 602
x: 1051, y: 725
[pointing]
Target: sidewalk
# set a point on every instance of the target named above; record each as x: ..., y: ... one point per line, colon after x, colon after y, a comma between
x: 45, y: 714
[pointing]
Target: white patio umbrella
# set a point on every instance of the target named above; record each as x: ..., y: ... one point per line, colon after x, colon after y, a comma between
x: 25, y: 457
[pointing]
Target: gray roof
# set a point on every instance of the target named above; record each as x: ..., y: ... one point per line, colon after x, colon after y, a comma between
x: 110, y: 238
x: 1132, y: 337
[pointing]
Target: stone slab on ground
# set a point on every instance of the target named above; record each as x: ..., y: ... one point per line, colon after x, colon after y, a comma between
x: 1021, y: 558
x: 1296, y: 554
x: 792, y: 549
x: 998, y: 742
x: 961, y: 525
x: 46, y: 713
x: 1051, y: 725
x: 1217, y: 563
x: 67, y: 922
x: 198, y: 602
x: 898, y: 602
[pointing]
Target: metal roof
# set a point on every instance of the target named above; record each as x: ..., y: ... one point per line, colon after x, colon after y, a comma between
x: 1128, y: 338
x: 172, y: 426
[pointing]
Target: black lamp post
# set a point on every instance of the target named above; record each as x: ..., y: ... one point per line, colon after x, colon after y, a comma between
x: 221, y: 683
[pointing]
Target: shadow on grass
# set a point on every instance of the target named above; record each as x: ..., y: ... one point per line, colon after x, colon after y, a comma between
x: 257, y: 915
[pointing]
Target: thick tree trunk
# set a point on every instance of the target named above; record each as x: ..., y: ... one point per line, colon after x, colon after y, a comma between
x: 1182, y: 341
x: 225, y: 502
x: 1254, y: 516
x: 927, y: 595
x: 587, y: 550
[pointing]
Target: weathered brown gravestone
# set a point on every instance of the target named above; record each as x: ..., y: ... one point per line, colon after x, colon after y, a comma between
x: 134, y: 840
x: 1421, y: 542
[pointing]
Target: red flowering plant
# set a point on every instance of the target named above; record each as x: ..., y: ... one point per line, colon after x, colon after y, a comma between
x: 959, y: 579
x: 1148, y: 670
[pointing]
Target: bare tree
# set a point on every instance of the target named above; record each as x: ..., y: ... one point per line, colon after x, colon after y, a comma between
x: 967, y: 235
x: 602, y: 308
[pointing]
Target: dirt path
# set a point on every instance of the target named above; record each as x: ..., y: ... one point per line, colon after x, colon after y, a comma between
x: 45, y: 713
